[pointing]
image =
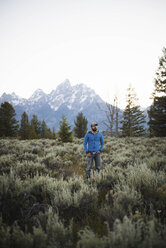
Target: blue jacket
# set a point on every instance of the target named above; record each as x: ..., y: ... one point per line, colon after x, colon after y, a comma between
x: 95, y: 142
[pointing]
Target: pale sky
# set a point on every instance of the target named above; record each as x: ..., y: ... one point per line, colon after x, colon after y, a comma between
x: 105, y: 44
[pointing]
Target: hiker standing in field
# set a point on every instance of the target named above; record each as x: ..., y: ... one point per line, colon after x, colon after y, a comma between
x: 95, y: 142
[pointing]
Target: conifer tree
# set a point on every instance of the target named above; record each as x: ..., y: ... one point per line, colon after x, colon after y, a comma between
x: 25, y: 126
x: 53, y: 134
x: 32, y: 132
x: 133, y: 117
x: 157, y: 111
x: 44, y: 130
x: 64, y: 132
x: 50, y: 134
x: 8, y: 124
x: 80, y: 128
x: 36, y: 124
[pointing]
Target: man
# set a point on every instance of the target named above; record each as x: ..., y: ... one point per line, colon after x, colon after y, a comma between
x: 95, y: 142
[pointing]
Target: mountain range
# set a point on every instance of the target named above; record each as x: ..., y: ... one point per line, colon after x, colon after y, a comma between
x: 65, y: 99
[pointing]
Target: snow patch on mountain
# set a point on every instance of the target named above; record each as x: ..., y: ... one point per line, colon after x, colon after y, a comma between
x: 37, y: 95
x: 65, y: 99
x: 74, y: 97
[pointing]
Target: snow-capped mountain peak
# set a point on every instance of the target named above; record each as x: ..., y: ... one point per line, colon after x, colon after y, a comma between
x: 37, y: 95
x: 13, y: 94
x: 12, y: 98
x: 65, y: 85
x: 66, y: 99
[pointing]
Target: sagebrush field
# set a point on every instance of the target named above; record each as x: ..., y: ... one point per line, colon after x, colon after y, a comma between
x: 46, y: 201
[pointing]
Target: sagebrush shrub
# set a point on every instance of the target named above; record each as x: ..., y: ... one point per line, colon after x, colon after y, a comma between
x: 7, y: 162
x: 30, y: 169
x: 46, y: 201
x: 88, y: 239
x: 137, y: 233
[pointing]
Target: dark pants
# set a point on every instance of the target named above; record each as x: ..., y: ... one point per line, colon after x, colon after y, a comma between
x: 96, y: 158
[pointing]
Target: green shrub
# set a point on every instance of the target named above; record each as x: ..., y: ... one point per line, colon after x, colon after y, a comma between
x: 88, y: 239
x: 144, y: 179
x: 30, y: 169
x: 4, y: 235
x: 157, y: 163
x: 162, y: 193
x: 45, y: 200
x: 27, y: 157
x: 7, y: 162
x: 137, y: 233
x: 47, y: 231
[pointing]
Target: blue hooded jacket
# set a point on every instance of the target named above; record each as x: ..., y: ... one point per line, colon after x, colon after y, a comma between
x: 95, y: 142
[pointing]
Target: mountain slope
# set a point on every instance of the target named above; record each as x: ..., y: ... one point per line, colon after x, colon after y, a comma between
x: 66, y: 99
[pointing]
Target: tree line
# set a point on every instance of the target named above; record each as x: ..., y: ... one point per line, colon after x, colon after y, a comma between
x: 132, y: 123
x: 35, y: 129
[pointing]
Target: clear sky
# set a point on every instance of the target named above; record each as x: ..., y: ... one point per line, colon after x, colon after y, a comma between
x: 105, y: 44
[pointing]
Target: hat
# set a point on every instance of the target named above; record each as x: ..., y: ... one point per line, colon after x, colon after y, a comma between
x: 93, y: 124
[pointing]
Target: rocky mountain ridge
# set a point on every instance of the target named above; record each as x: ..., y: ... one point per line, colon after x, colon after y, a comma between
x: 65, y: 99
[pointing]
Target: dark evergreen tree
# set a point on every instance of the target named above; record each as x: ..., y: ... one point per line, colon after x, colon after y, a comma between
x: 44, y: 130
x: 133, y: 117
x: 32, y: 132
x: 64, y: 132
x: 8, y: 124
x: 36, y: 124
x: 53, y: 134
x: 157, y: 111
x: 25, y: 126
x: 80, y: 128
x: 50, y: 134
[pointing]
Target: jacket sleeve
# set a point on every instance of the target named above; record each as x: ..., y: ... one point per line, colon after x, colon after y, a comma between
x: 101, y: 142
x: 85, y: 143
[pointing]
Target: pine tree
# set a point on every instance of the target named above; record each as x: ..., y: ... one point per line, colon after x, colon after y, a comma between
x: 53, y: 134
x: 36, y: 124
x: 50, y: 134
x: 32, y: 132
x: 25, y: 126
x: 133, y: 117
x: 8, y: 124
x: 157, y: 111
x: 80, y: 128
x: 64, y: 134
x: 44, y: 130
